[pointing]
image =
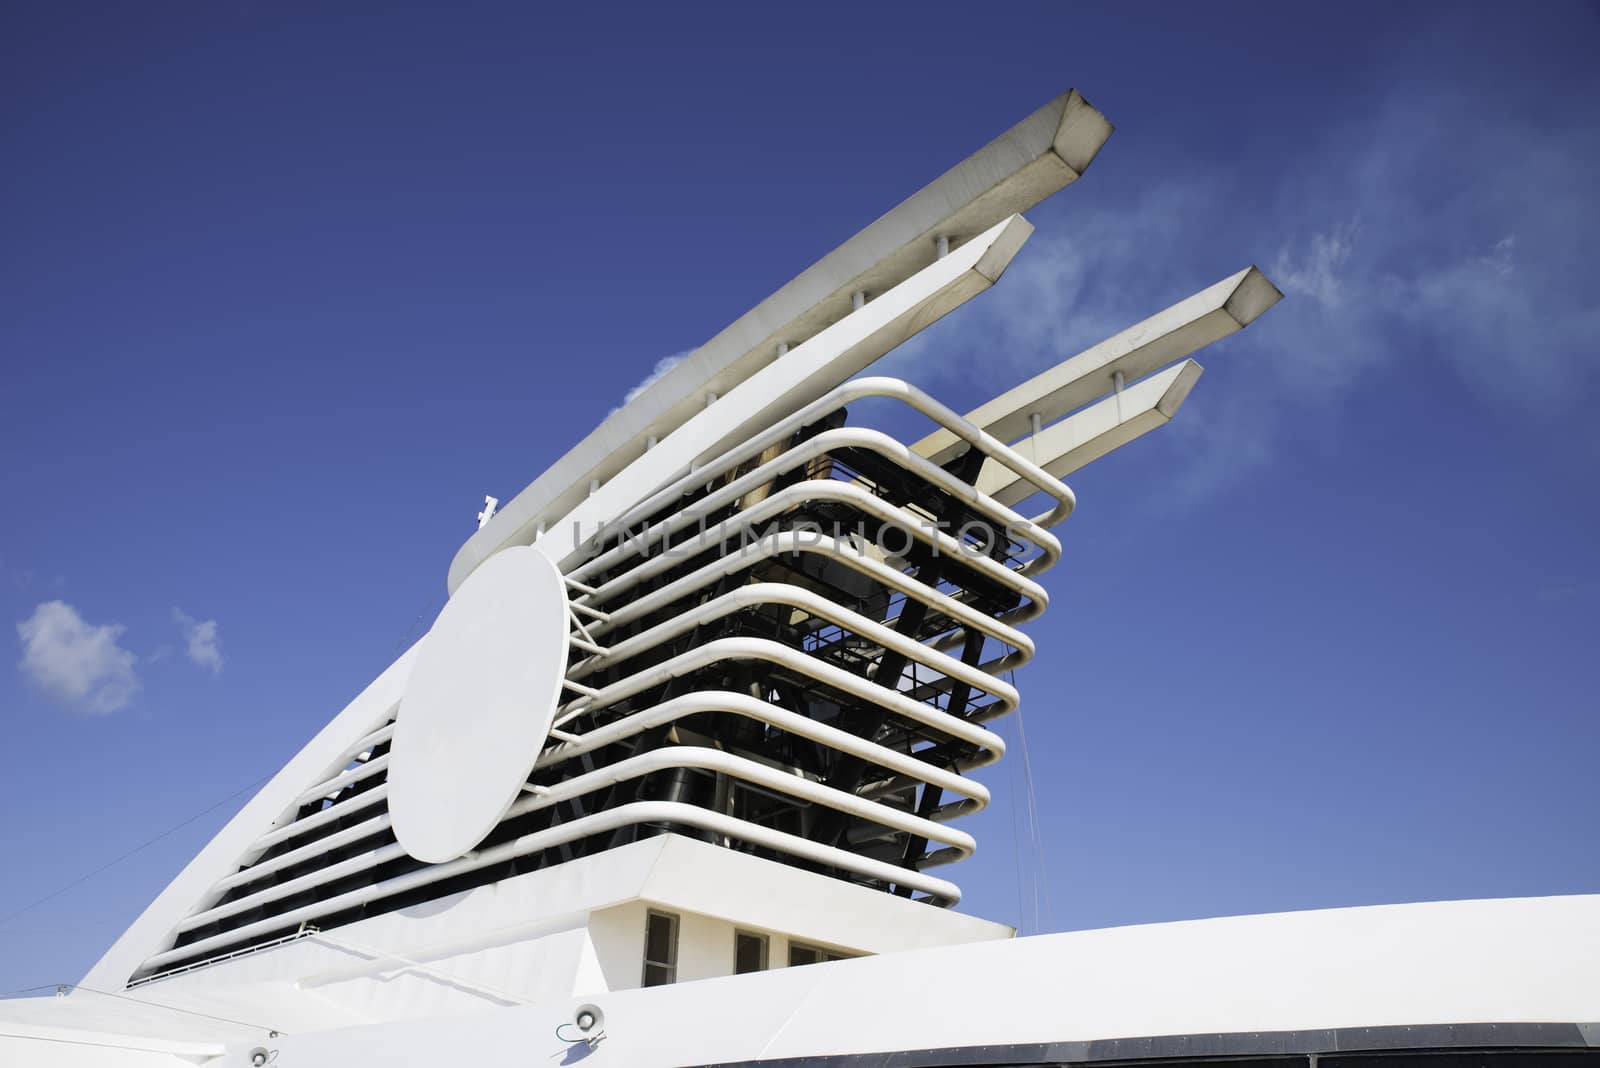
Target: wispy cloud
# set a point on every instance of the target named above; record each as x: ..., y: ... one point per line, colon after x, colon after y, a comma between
x: 76, y: 663
x: 1564, y: 591
x: 22, y: 578
x: 657, y: 373
x: 203, y: 643
x: 1393, y: 241
x: 1318, y: 272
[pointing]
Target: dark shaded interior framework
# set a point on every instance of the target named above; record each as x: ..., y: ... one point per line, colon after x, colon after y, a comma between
x: 792, y: 651
x: 1436, y: 1046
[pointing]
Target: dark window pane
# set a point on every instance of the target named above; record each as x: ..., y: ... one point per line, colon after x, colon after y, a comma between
x: 749, y: 953
x: 660, y: 939
x: 803, y: 954
x: 660, y: 948
x: 1545, y: 1058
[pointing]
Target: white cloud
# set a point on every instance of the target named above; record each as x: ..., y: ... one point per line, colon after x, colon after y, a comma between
x: 204, y: 644
x: 1397, y: 251
x: 657, y: 373
x: 77, y: 663
x: 1318, y: 274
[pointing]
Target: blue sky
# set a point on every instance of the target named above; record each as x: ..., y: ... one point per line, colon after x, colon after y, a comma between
x: 288, y: 288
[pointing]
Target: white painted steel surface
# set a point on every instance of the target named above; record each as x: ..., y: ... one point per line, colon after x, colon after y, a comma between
x: 376, y: 828
x: 613, y: 604
x: 1514, y: 960
x: 1520, y: 960
x: 273, y: 808
x: 478, y: 706
x: 732, y: 461
x: 1186, y: 327
x: 1084, y: 437
x: 808, y: 372
x: 1032, y: 160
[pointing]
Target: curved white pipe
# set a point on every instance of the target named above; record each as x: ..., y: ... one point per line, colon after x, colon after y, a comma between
x: 372, y: 739
x: 909, y: 771
x: 811, y: 449
x: 841, y: 550
x: 708, y: 759
x: 337, y: 810
x: 353, y: 833
x: 988, y: 743
x: 762, y: 593
x: 286, y: 822
x: 804, y: 493
x: 928, y: 655
x: 343, y: 779
x: 740, y: 704
x: 638, y: 812
x: 838, y: 397
x: 668, y: 757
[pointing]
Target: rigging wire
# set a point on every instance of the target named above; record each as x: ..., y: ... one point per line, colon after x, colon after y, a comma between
x: 1016, y: 849
x: 273, y: 1031
x: 1042, y: 919
x: 31, y: 989
x: 61, y: 988
x: 73, y: 928
x: 1035, y: 830
x: 1041, y: 889
x: 409, y: 631
x: 170, y: 830
x: 136, y: 849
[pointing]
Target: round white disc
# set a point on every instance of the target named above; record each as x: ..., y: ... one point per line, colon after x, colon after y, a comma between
x: 478, y: 706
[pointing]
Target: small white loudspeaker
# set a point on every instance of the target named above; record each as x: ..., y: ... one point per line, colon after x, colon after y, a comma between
x: 590, y: 1020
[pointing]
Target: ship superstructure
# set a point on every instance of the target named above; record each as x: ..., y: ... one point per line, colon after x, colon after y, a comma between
x: 710, y: 698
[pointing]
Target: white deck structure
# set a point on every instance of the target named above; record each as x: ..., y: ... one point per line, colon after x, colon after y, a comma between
x: 709, y: 702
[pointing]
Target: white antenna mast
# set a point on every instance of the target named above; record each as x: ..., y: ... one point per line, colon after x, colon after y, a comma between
x: 489, y: 505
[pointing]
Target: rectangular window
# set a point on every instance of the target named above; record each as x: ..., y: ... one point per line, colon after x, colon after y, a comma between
x: 800, y: 953
x: 749, y: 952
x: 660, y: 948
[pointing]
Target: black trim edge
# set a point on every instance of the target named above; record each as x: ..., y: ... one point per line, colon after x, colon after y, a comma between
x: 1334, y: 1040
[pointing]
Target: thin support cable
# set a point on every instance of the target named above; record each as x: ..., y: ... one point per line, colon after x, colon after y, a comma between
x: 413, y: 628
x: 273, y: 1031
x: 1016, y: 848
x: 1036, y: 830
x: 136, y: 849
